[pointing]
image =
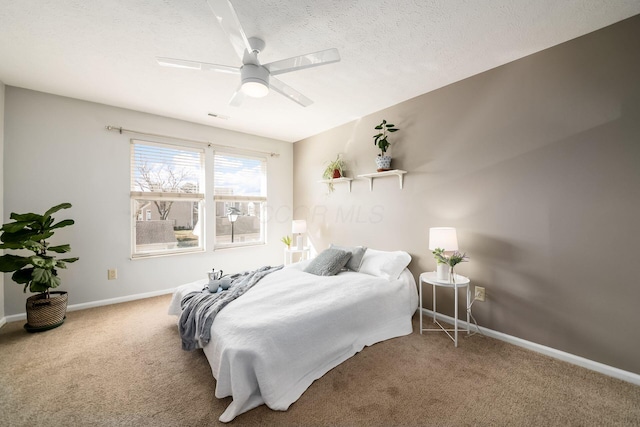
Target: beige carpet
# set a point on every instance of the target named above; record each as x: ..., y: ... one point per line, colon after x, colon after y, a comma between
x: 122, y: 365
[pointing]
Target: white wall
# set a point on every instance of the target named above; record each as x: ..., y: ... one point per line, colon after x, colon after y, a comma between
x: 2, y: 89
x: 58, y: 150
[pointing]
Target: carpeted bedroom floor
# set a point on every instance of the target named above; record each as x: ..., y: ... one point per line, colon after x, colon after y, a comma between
x: 121, y: 365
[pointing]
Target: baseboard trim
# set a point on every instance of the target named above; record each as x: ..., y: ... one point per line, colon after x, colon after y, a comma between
x: 3, y: 320
x: 92, y: 304
x: 548, y: 351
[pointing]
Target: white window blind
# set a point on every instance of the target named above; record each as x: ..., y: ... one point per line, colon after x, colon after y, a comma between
x: 159, y: 170
x: 241, y: 177
x: 167, y: 191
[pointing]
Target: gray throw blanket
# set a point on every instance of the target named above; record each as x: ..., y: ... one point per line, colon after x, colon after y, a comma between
x: 199, y: 309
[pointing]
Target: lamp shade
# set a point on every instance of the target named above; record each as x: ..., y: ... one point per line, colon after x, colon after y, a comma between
x: 443, y: 237
x: 299, y: 226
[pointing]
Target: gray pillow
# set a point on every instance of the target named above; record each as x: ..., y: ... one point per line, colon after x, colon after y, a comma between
x: 328, y: 263
x: 357, y: 253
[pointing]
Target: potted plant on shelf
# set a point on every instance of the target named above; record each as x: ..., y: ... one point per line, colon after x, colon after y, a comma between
x: 38, y: 272
x: 334, y: 170
x: 383, y: 162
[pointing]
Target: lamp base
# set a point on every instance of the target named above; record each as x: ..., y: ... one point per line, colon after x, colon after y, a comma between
x: 299, y: 242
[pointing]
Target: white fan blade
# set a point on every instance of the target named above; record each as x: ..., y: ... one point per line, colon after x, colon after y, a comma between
x: 301, y: 62
x: 230, y: 23
x: 237, y: 99
x: 289, y: 92
x: 195, y: 65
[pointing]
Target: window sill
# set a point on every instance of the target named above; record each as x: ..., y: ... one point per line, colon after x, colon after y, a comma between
x: 237, y: 245
x: 135, y: 257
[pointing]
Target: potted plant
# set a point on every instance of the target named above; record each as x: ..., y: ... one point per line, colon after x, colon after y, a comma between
x: 334, y: 170
x: 38, y: 272
x: 287, y: 241
x: 383, y: 162
x: 451, y: 261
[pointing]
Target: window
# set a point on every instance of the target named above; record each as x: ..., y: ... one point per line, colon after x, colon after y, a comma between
x: 167, y: 194
x: 240, y: 196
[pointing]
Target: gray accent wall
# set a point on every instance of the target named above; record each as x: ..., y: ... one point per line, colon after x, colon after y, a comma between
x: 537, y: 165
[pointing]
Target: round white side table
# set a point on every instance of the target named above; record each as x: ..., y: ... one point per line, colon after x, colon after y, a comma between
x: 460, y: 282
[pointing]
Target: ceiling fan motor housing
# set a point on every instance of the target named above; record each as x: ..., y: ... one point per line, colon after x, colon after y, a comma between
x: 255, y: 80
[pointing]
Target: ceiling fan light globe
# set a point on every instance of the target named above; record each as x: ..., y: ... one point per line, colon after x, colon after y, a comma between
x: 255, y: 88
x: 255, y: 80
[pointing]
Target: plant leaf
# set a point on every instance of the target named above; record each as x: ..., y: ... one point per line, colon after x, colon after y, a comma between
x: 393, y: 130
x: 42, y: 236
x: 57, y: 208
x: 48, y: 223
x: 61, y: 224
x: 45, y: 277
x: 37, y: 261
x: 18, y: 236
x: 9, y: 263
x: 13, y: 227
x: 49, y: 280
x: 22, y: 276
x: 25, y: 217
x: 60, y: 249
x: 12, y: 246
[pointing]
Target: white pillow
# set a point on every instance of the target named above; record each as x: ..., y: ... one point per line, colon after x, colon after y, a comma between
x: 384, y: 264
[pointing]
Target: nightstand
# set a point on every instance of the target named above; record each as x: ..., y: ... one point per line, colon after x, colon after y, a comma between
x: 460, y: 282
x: 288, y: 255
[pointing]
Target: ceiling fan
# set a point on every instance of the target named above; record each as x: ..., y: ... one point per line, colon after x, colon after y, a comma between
x: 256, y: 78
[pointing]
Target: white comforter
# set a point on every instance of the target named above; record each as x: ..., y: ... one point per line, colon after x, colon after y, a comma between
x: 292, y: 327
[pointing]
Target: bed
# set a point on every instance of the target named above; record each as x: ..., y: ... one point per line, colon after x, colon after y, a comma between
x: 270, y: 344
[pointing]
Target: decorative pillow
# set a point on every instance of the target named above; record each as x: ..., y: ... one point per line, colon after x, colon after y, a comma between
x: 384, y: 264
x: 357, y: 252
x: 328, y: 263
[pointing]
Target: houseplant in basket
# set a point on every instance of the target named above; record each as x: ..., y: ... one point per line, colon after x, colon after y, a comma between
x: 383, y: 162
x: 38, y: 272
x: 334, y: 170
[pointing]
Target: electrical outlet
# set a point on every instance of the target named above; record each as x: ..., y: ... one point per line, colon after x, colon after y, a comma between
x: 112, y: 274
x: 479, y: 293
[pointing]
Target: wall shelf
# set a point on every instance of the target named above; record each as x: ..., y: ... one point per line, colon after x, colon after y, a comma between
x: 395, y: 172
x: 338, y: 181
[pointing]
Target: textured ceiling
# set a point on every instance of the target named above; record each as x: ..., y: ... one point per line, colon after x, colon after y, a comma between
x: 104, y: 51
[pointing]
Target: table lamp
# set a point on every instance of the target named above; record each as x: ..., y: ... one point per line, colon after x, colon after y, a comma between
x: 299, y: 227
x: 444, y: 238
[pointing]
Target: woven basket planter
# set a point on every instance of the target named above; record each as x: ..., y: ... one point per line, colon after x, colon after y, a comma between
x: 46, y: 313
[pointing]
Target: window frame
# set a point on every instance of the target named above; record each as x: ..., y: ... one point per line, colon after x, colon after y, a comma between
x: 241, y: 198
x: 151, y: 196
